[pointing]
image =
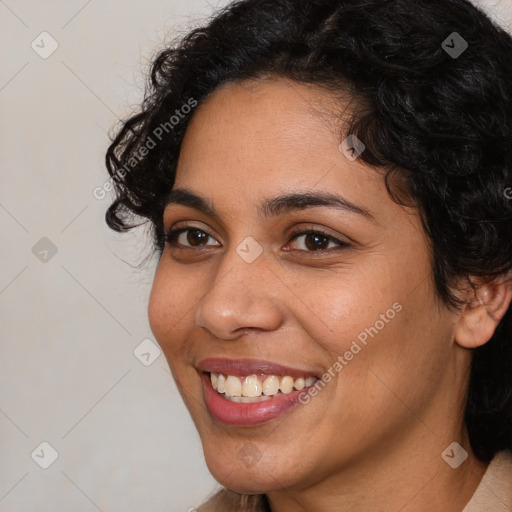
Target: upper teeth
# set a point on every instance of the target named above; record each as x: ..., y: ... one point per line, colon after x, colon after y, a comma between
x: 254, y: 386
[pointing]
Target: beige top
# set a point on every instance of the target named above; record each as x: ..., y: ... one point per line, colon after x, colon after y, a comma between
x: 494, y: 493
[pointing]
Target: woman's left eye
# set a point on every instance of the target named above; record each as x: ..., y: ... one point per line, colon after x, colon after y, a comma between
x: 317, y: 241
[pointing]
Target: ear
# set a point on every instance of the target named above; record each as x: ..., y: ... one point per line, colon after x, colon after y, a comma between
x: 486, y: 304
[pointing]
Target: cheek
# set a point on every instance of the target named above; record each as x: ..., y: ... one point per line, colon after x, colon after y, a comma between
x: 381, y: 329
x: 169, y: 304
x: 392, y: 359
x: 159, y: 306
x: 170, y: 310
x: 335, y: 308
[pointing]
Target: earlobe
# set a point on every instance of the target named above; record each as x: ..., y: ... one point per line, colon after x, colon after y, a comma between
x: 486, y: 306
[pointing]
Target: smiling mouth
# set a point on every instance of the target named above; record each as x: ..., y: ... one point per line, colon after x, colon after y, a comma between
x: 256, y: 388
x: 250, y: 392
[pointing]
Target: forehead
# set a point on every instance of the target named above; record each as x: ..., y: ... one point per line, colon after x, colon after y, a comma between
x: 267, y: 134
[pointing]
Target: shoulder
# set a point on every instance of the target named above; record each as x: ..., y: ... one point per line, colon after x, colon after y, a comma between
x: 495, y: 489
x: 228, y: 501
x: 222, y: 501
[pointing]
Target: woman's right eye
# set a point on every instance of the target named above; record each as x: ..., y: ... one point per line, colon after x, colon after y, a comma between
x: 188, y: 237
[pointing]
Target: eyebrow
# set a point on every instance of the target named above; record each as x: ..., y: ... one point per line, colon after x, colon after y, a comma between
x: 273, y: 206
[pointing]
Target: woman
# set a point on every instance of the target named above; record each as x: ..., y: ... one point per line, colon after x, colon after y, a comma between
x: 328, y: 185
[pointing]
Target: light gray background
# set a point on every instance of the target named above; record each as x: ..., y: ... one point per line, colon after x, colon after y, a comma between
x: 70, y: 323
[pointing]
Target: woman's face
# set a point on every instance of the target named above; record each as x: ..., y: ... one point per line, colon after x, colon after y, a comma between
x: 246, y: 290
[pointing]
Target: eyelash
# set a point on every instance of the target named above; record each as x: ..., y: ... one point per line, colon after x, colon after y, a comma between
x: 172, y: 234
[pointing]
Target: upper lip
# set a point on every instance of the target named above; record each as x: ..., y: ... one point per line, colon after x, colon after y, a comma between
x: 243, y: 367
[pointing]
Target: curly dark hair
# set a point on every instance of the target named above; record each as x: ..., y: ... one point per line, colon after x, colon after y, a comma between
x: 438, y: 122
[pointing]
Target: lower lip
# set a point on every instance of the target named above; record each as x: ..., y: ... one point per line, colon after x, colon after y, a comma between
x: 246, y: 415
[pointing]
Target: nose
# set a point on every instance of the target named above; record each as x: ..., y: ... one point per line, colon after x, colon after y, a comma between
x: 242, y: 296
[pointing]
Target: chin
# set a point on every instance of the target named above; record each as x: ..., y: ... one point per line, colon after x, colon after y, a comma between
x: 246, y: 476
x: 246, y: 482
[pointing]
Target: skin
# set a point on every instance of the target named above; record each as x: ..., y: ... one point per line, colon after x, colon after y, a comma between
x: 372, y: 438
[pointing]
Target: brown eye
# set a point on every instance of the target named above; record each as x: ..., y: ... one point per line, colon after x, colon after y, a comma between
x: 189, y: 237
x: 196, y: 237
x: 312, y: 241
x: 316, y: 241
